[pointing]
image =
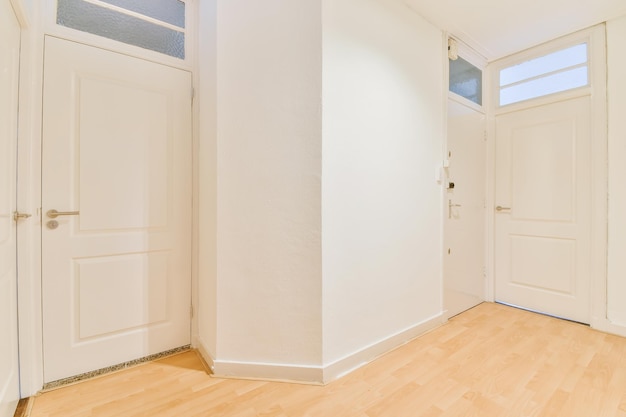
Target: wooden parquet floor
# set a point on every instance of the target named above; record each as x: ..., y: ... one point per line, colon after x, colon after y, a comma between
x: 491, y: 361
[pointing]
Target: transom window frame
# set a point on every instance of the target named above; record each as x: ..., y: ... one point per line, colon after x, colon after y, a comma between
x: 584, y: 36
x: 51, y: 28
x: 471, y: 56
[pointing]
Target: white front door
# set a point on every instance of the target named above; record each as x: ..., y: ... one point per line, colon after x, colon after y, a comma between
x: 9, y: 75
x: 543, y: 223
x: 116, y: 164
x: 464, y: 224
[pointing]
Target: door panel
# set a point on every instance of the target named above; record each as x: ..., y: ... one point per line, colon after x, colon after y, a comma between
x: 9, y: 77
x: 133, y: 134
x: 543, y: 174
x: 117, y: 162
x: 464, y: 225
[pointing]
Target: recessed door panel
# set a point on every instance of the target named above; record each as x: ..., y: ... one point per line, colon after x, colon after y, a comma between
x: 545, y: 264
x: 128, y: 141
x: 135, y: 284
x: 543, y: 171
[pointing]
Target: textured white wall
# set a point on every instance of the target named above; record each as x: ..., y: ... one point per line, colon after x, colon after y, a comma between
x: 368, y: 112
x: 206, y: 100
x: 616, y: 285
x: 382, y: 139
x: 269, y: 181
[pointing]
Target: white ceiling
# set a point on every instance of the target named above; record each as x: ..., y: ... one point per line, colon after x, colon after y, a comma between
x: 497, y: 28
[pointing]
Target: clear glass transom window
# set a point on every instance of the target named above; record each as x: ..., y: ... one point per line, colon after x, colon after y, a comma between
x: 559, y: 71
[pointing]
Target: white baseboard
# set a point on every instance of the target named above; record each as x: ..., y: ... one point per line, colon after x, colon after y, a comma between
x: 370, y: 353
x: 259, y: 371
x: 607, y: 326
x: 269, y: 372
x: 204, y: 352
x: 317, y: 375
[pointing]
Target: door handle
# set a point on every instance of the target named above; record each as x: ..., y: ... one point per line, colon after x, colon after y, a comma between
x: 500, y: 208
x: 450, y: 205
x: 53, y: 214
x: 17, y: 215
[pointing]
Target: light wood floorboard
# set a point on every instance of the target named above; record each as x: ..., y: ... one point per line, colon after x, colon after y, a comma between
x: 491, y: 361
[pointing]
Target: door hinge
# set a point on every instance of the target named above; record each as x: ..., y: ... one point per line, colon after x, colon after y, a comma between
x: 485, y: 136
x: 191, y: 311
x: 193, y: 93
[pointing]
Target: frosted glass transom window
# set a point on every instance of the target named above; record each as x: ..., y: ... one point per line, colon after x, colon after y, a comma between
x: 466, y: 80
x: 559, y: 71
x: 158, y: 25
x: 169, y: 11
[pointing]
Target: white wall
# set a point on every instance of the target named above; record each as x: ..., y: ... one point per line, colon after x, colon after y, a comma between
x: 616, y: 285
x: 276, y: 111
x: 381, y: 206
x: 268, y: 183
x: 205, y: 120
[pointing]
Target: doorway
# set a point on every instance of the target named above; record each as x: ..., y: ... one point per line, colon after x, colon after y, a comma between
x: 549, y: 152
x: 116, y: 208
x: 465, y: 183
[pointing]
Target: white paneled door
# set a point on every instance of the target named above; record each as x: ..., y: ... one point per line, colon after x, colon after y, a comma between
x: 116, y: 168
x: 464, y: 224
x: 9, y: 75
x: 543, y: 218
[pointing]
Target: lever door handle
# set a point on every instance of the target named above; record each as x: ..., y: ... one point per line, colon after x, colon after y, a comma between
x: 500, y: 208
x: 53, y: 214
x: 17, y: 215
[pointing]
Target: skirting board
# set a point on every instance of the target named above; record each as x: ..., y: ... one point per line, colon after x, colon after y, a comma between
x: 316, y: 374
x: 204, y: 352
x: 608, y: 326
x: 370, y: 353
x: 269, y: 372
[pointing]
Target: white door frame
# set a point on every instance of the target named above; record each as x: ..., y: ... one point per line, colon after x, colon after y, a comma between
x: 28, y: 198
x: 35, y: 20
x: 15, y: 19
x: 597, y: 53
